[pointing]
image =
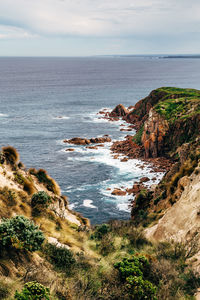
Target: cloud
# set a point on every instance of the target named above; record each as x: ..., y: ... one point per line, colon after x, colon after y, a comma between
x: 12, y: 32
x: 101, y: 18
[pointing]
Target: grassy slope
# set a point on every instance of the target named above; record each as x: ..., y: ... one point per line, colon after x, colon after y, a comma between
x: 178, y: 103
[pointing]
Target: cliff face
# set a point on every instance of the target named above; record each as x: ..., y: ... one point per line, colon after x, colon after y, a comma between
x: 169, y: 116
x: 153, y: 137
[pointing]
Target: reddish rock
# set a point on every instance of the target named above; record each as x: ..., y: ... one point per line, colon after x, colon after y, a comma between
x: 83, y: 141
x: 124, y: 159
x: 69, y: 149
x: 78, y: 141
x: 144, y: 179
x: 119, y: 111
x: 155, y: 129
x: 118, y: 192
x: 92, y: 147
x: 125, y: 129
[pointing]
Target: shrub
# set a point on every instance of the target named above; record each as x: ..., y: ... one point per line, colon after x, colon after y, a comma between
x: 140, y: 288
x: 33, y: 291
x: 8, y: 196
x: 106, y: 245
x: 20, y: 233
x: 134, y: 266
x: 134, y: 272
x: 60, y: 257
x: 100, y: 231
x: 136, y: 237
x: 39, y: 202
x: 11, y: 155
x: 40, y: 198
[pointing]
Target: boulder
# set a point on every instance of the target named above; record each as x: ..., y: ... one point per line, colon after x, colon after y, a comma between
x: 78, y: 141
x: 144, y: 179
x: 83, y: 141
x: 118, y: 192
x: 119, y: 111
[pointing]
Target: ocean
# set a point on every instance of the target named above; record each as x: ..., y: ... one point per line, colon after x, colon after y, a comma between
x: 46, y: 100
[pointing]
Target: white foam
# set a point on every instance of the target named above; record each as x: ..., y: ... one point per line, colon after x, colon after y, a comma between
x: 3, y: 115
x: 71, y: 206
x: 88, y: 203
x: 124, y: 207
x: 61, y: 118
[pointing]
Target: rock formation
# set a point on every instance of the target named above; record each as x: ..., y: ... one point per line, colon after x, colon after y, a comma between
x: 83, y: 141
x: 119, y: 111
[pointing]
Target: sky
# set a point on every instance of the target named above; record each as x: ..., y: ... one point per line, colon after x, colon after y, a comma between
x: 99, y: 27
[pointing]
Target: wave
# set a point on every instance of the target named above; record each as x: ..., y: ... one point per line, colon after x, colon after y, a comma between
x: 3, y: 115
x: 61, y: 118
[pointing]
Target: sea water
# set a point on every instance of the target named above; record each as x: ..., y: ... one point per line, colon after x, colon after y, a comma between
x: 46, y: 100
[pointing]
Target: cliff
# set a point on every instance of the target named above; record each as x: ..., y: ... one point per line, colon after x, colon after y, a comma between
x: 168, y: 126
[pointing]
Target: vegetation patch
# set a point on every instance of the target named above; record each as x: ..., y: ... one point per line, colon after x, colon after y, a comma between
x: 11, y: 155
x: 61, y: 257
x: 178, y: 103
x: 20, y: 233
x: 33, y: 291
x: 44, y: 178
x: 39, y: 202
x: 134, y: 272
x: 138, y: 136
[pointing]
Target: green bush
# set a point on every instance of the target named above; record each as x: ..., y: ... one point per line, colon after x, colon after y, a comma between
x: 20, y: 233
x: 60, y: 257
x: 41, y: 198
x: 39, y: 202
x: 135, y: 272
x: 140, y: 289
x: 33, y: 291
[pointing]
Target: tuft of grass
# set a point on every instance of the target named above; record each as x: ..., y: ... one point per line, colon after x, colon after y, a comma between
x: 48, y: 182
x: 11, y: 155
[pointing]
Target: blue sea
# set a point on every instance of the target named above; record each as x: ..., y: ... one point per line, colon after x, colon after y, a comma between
x: 46, y: 100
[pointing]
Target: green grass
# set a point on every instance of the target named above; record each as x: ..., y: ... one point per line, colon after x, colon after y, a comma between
x: 178, y: 103
x: 138, y: 136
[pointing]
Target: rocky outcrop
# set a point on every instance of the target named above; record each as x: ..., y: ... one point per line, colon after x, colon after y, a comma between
x: 119, y: 111
x: 128, y: 148
x: 153, y: 137
x: 118, y: 192
x: 83, y: 141
x: 142, y: 107
x: 60, y: 207
x: 182, y: 220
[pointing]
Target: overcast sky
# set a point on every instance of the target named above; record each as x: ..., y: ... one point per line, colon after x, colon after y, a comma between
x: 95, y: 27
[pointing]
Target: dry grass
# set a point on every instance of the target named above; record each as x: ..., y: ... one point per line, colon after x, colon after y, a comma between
x: 44, y: 178
x: 11, y: 155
